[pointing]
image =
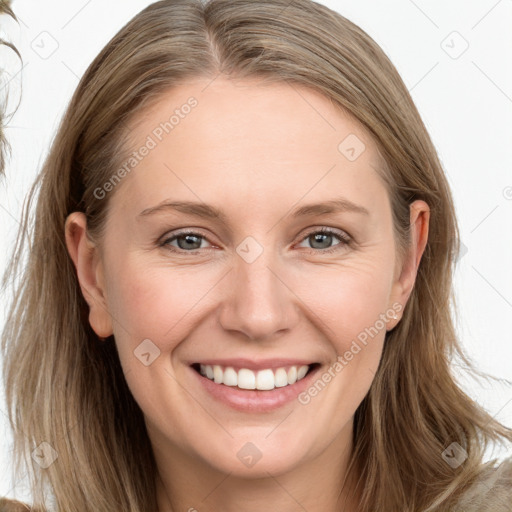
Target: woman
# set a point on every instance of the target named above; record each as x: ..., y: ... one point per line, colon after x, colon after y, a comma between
x: 185, y: 337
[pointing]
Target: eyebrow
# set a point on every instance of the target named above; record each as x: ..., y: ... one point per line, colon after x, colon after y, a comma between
x: 208, y: 211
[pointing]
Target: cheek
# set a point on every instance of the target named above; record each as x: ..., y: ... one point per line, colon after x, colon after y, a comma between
x: 356, y: 334
x: 162, y: 304
x: 346, y: 299
x: 158, y: 303
x: 351, y: 310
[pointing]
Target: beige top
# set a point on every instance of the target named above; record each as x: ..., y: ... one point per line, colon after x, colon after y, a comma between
x: 491, y: 492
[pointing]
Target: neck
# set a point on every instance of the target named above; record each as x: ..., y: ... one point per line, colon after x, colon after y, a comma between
x: 188, y: 484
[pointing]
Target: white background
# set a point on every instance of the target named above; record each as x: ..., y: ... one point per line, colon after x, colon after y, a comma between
x: 466, y: 103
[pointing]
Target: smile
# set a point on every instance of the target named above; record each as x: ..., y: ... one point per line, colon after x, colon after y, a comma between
x: 263, y: 380
x: 254, y: 386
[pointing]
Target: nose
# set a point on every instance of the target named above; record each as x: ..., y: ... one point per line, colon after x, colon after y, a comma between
x: 259, y: 303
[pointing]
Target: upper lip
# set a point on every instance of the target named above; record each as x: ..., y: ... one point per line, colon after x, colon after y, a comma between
x: 252, y: 364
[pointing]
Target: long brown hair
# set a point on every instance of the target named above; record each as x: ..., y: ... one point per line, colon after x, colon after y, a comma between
x: 66, y: 388
x: 5, y: 8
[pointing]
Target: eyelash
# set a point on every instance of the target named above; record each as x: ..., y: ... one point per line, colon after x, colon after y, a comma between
x: 345, y: 240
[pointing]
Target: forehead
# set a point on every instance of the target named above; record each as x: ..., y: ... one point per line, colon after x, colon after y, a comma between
x: 247, y: 139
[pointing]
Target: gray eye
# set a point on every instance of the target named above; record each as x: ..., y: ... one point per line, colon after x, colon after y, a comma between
x: 320, y: 240
x: 189, y: 241
x: 185, y: 241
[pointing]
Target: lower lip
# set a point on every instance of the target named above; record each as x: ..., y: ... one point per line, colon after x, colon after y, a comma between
x: 254, y: 400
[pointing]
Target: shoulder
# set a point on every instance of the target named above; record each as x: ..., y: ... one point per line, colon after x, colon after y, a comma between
x: 491, y: 491
x: 7, y: 505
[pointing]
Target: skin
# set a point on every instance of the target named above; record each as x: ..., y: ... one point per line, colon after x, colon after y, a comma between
x: 256, y: 151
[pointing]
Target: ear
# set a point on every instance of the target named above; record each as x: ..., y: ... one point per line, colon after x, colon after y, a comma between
x: 404, y: 282
x: 89, y: 268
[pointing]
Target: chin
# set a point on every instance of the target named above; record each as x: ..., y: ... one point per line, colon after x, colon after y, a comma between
x: 256, y: 456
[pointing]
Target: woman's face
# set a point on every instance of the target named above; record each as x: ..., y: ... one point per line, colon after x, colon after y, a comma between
x: 254, y: 291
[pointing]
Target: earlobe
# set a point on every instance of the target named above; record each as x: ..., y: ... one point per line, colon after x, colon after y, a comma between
x: 419, y: 224
x: 88, y: 266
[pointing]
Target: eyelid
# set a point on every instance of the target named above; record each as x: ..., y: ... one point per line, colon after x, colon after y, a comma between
x: 173, y: 235
x: 326, y: 229
x: 343, y: 236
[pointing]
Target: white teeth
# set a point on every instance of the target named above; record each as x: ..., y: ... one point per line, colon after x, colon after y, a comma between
x: 301, y: 372
x: 292, y: 375
x: 217, y: 374
x: 230, y: 377
x: 247, y: 379
x: 265, y: 379
x: 281, y: 378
